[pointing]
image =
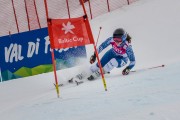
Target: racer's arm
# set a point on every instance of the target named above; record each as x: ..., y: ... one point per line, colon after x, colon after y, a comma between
x: 105, y: 44
x: 100, y: 49
x: 131, y: 57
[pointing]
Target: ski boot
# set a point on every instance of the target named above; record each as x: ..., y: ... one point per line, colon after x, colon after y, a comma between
x: 77, y: 79
x: 94, y: 76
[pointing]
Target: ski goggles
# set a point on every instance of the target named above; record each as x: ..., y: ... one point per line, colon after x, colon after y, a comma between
x: 122, y: 37
x: 117, y: 40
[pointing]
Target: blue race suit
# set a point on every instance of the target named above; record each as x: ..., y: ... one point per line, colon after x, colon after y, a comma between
x: 121, y: 53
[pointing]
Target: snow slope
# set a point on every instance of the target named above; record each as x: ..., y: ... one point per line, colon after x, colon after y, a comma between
x: 146, y: 95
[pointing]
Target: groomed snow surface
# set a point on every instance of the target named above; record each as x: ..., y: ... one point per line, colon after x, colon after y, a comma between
x: 144, y: 95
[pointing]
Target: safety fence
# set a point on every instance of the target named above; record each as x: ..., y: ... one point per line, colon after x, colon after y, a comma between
x: 25, y: 15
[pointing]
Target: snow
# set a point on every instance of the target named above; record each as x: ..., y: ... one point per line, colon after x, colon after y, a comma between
x: 145, y: 95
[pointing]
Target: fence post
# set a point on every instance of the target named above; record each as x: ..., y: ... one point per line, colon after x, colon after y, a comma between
x: 68, y: 8
x: 128, y: 2
x: 90, y: 8
x: 108, y: 5
x: 37, y: 14
x: 15, y: 16
x: 27, y: 14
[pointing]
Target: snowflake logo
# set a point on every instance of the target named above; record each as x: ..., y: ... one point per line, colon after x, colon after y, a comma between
x: 68, y: 28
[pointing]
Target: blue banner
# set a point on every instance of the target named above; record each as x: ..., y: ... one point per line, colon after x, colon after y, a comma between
x: 29, y: 53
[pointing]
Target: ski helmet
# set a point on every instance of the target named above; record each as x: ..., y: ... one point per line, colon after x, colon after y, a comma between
x: 120, y: 33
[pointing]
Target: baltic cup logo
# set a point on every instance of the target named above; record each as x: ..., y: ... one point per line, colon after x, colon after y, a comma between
x: 68, y: 28
x: 70, y: 34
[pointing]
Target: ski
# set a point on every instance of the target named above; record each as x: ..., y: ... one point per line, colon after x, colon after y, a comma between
x: 78, y: 82
x: 59, y: 85
x: 91, y: 78
x: 70, y: 81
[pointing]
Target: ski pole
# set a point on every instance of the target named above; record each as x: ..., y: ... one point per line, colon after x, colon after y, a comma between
x: 97, y: 40
x: 156, y: 67
x: 98, y: 35
x: 149, y: 68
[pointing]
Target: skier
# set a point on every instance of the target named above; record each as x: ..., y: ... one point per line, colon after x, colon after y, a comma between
x: 118, y: 56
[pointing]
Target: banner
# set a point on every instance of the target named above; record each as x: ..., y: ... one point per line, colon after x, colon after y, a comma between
x: 69, y: 32
x: 29, y: 53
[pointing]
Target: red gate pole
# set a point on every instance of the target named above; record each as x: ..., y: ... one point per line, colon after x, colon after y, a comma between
x: 52, y: 52
x: 91, y: 37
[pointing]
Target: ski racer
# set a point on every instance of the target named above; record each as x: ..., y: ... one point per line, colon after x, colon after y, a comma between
x: 118, y: 56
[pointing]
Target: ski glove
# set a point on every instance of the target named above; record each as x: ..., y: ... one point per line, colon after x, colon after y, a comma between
x: 93, y: 58
x: 126, y: 71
